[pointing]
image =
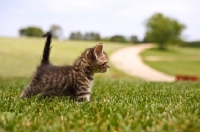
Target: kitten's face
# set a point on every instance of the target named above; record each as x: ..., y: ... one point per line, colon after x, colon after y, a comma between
x: 98, y: 59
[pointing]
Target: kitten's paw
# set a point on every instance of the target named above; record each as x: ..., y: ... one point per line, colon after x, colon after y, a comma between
x: 22, y: 95
x: 83, y: 98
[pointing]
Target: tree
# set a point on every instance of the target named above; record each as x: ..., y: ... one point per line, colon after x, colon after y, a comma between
x: 22, y: 32
x: 97, y: 37
x: 118, y: 38
x: 72, y: 36
x: 134, y: 39
x: 31, y: 32
x: 76, y: 36
x: 56, y: 31
x: 91, y: 36
x: 163, y: 30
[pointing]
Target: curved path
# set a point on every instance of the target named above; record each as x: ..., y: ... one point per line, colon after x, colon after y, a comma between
x: 129, y: 61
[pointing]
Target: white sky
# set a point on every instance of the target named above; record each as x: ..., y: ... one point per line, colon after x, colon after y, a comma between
x: 107, y: 17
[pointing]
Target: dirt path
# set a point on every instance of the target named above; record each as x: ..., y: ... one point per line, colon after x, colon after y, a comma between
x: 129, y: 61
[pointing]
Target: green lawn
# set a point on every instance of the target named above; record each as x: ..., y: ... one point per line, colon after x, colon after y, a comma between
x: 118, y: 102
x: 116, y: 105
x: 19, y: 57
x: 174, y: 61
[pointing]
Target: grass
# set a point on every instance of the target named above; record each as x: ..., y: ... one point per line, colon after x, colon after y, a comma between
x: 174, y: 61
x: 117, y: 105
x: 20, y: 56
x: 118, y: 102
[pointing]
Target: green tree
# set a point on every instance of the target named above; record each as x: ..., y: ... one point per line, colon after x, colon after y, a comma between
x: 31, y: 32
x: 134, y: 39
x: 97, y: 37
x: 90, y: 36
x: 163, y: 30
x: 118, y: 38
x: 22, y: 32
x: 76, y: 36
x: 72, y: 36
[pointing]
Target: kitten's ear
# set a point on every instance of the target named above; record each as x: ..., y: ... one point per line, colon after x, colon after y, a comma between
x: 98, y: 50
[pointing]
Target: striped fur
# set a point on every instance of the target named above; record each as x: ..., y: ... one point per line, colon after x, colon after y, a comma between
x: 74, y: 81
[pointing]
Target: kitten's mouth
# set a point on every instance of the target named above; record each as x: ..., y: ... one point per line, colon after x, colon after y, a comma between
x: 106, y: 66
x: 105, y: 69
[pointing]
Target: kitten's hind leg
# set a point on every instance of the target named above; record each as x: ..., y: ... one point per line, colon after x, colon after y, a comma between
x: 43, y: 95
x: 29, y: 91
x: 48, y: 93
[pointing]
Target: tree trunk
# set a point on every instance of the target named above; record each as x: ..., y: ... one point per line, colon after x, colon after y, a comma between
x: 161, y: 46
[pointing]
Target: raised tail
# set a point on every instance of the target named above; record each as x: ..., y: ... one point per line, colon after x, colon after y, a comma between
x: 47, y: 48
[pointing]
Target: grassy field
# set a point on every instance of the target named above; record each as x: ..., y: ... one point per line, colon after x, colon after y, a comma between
x: 174, y: 61
x: 118, y: 102
x: 19, y: 57
x: 116, y: 105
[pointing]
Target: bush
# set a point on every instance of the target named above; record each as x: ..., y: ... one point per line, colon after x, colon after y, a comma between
x: 118, y: 38
x: 31, y: 32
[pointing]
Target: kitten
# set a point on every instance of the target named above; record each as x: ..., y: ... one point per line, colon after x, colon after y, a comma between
x: 74, y: 81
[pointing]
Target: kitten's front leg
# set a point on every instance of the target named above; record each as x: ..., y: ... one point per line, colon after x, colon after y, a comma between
x: 88, y: 97
x: 83, y: 98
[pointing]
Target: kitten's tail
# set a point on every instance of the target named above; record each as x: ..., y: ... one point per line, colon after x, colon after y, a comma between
x: 47, y: 48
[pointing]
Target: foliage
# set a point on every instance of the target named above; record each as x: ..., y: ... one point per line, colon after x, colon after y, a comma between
x: 56, y: 31
x: 163, y: 30
x: 90, y: 36
x: 75, y: 36
x: 116, y: 105
x: 134, y: 39
x: 118, y: 38
x: 31, y: 31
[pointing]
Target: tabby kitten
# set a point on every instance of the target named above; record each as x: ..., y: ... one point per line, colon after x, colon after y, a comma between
x: 74, y: 81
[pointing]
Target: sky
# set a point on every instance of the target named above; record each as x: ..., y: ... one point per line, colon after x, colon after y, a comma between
x: 107, y: 17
